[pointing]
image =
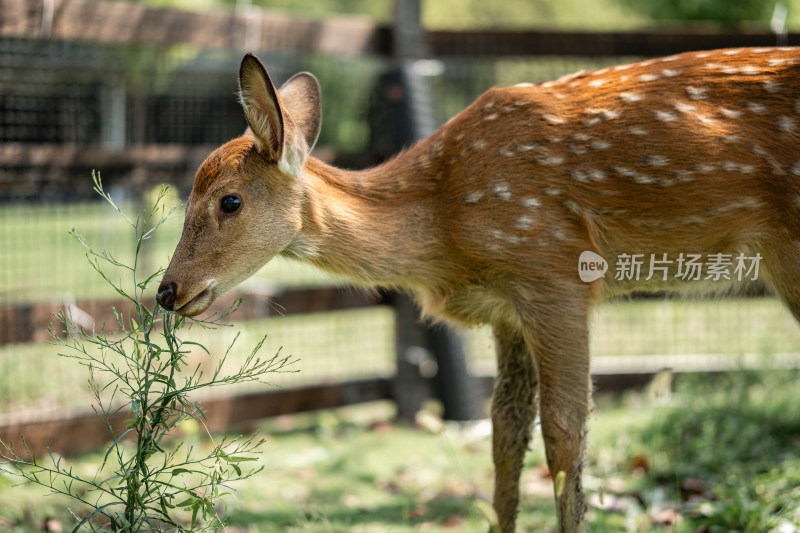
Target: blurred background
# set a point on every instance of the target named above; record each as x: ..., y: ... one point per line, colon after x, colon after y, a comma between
x: 142, y: 91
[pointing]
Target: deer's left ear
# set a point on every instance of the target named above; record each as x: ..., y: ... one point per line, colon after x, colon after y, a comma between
x: 262, y: 107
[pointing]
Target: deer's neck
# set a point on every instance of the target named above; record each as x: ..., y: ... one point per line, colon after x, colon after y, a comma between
x: 375, y: 226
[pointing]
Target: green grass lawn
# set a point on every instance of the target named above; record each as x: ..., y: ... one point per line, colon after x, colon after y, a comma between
x: 718, y: 455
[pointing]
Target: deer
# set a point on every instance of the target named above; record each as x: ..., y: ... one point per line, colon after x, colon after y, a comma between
x: 485, y: 221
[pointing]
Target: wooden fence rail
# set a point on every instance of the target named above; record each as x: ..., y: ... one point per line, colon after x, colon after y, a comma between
x: 72, y: 433
x: 30, y: 322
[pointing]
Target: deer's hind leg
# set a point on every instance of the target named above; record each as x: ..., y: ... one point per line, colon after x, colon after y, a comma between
x: 513, y: 414
x: 558, y: 333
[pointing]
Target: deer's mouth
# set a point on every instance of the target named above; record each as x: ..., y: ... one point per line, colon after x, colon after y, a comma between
x: 199, y: 302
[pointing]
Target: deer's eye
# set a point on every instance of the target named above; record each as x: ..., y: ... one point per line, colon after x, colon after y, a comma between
x: 230, y: 204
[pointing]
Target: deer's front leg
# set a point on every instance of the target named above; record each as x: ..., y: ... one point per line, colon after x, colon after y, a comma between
x: 559, y: 338
x: 513, y: 412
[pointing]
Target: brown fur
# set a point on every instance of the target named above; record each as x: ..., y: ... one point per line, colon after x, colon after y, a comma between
x: 484, y: 221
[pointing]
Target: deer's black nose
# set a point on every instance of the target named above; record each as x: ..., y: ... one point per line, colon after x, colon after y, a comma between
x: 166, y: 295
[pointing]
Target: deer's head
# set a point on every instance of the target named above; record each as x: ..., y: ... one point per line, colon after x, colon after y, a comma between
x: 247, y: 200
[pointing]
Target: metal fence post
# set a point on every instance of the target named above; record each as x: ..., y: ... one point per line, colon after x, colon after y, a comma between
x: 405, y: 114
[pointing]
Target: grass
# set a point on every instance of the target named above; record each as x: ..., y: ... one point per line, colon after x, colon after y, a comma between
x: 717, y: 456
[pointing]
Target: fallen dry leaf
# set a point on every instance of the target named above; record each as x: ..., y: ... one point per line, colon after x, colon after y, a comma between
x: 665, y: 517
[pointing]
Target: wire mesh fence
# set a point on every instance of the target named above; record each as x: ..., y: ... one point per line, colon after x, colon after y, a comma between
x: 68, y: 107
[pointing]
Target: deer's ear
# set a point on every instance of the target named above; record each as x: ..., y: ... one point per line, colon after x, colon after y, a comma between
x: 262, y: 107
x: 301, y: 96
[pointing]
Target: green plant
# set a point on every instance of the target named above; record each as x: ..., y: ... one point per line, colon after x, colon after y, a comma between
x: 141, y: 367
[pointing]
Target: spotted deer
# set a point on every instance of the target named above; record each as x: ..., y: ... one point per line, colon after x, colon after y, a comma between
x: 485, y: 221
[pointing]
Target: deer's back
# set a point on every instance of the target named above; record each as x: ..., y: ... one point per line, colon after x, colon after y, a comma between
x: 696, y: 152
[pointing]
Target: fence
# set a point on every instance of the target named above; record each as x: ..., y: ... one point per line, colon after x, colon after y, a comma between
x: 143, y: 94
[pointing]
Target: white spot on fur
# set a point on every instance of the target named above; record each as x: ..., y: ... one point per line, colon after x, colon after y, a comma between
x: 702, y: 55
x: 738, y: 204
x: 597, y: 83
x: 756, y: 108
x: 670, y: 58
x: 501, y: 191
x: 683, y: 107
x: 637, y: 176
x: 552, y: 119
x: 648, y: 77
x: 666, y: 116
x: 697, y: 93
x: 580, y: 137
x: 772, y: 86
x: 733, y: 166
x: 730, y: 113
x: 552, y: 191
x: 600, y: 145
x: 620, y: 68
x: 524, y: 222
x: 705, y: 167
x: 523, y: 85
x: 577, y: 149
x: 527, y: 147
x: 552, y: 160
x: 474, y: 197
x: 479, y: 145
x: 579, y: 175
x: 636, y: 130
x: 670, y: 73
x: 776, y: 62
x: 596, y: 174
x: 656, y: 160
x: 796, y: 169
x: 530, y: 202
x: 787, y: 124
x: 631, y: 97
x: 705, y: 119
x: 732, y: 52
x: 749, y: 69
x: 489, y: 118
x: 606, y: 114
